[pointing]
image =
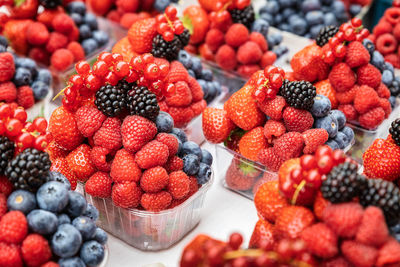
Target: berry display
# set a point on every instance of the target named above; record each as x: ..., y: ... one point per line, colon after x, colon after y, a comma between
x: 299, y: 94
x: 325, y: 34
x: 394, y: 130
x: 111, y: 100
x: 245, y: 16
x: 142, y: 102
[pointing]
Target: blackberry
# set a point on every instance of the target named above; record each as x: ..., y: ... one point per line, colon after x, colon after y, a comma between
x: 111, y: 100
x: 343, y: 183
x: 299, y: 94
x: 6, y: 152
x: 395, y: 131
x: 245, y: 16
x: 29, y: 169
x: 167, y: 50
x: 142, y: 102
x: 184, y: 37
x: 383, y: 194
x: 51, y: 4
x: 325, y: 34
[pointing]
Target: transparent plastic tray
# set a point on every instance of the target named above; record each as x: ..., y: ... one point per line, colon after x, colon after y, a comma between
x: 151, y: 231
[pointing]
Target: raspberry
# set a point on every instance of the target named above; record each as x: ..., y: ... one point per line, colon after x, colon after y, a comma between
x: 124, y: 167
x: 7, y: 67
x: 174, y: 164
x: 61, y: 165
x: 382, y: 27
x: 349, y: 111
x: 386, y: 43
x: 37, y: 34
x: 386, y: 106
x: 35, y: 250
x: 342, y: 77
x: 198, y: 107
x: 128, y: 19
x: 195, y: 89
x: 389, y: 253
x: 50, y: 264
x: 247, y: 70
x: 25, y: 97
x: 98, y: 156
x: 89, y: 120
x: 249, y: 53
x: 336, y: 262
x: 181, y: 116
x: 56, y: 41
x: 373, y: 230
x: 170, y: 141
x: 182, y: 96
x: 314, y: 138
x: 152, y: 154
x: 273, y: 129
x: 271, y: 160
x: 193, y: 186
x: 357, y: 55
x: 178, y: 184
x: 259, y: 39
x: 383, y: 91
x: 347, y: 97
x: 177, y: 72
x: 369, y: 75
x: 263, y: 235
x: 13, y: 227
x: 99, y: 185
x: 109, y: 134
x: 320, y: 240
x: 392, y: 15
x: 267, y: 59
x: 297, y: 120
x: 396, y: 31
x: 3, y: 204
x: 77, y: 51
x: 79, y: 162
x: 214, y: 39
x: 63, y: 23
x: 73, y: 36
x: 320, y: 204
x: 226, y: 57
x: 273, y: 108
x: 236, y: 35
x: 8, y: 92
x: 10, y: 255
x: 289, y: 145
x: 344, y: 219
x: 40, y: 54
x: 61, y: 59
x: 371, y: 119
x: 126, y: 195
x: 136, y: 132
x: 6, y: 186
x: 365, y: 99
x: 359, y: 254
x: 154, y: 180
x: 156, y: 201
x: 393, y: 59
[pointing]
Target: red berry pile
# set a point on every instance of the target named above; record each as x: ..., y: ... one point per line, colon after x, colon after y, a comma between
x: 169, y: 25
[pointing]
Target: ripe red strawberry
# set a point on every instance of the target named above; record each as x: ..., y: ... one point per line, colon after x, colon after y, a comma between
x: 236, y: 35
x: 373, y: 230
x: 154, y: 180
x: 347, y: 97
x: 98, y: 156
x: 297, y: 120
x: 136, y: 132
x: 177, y: 72
x: 320, y: 240
x: 308, y: 65
x: 242, y: 109
x: 8, y: 92
x: 124, y: 167
x: 141, y: 35
x: 156, y: 201
x: 344, y: 219
x: 366, y: 98
x: 10, y: 255
x: 182, y: 96
x: 270, y: 159
x: 382, y: 160
x: 262, y: 233
x: 61, y: 165
x: 273, y: 129
x: 252, y: 142
x: 89, y: 120
x: 7, y: 67
x: 289, y: 145
x: 25, y: 97
x: 15, y: 31
x: 342, y: 77
x: 359, y: 254
x: 35, y: 250
x: 269, y: 201
x: 79, y: 162
x: 174, y: 164
x: 356, y: 55
x: 170, y: 141
x: 241, y: 175
x: 226, y: 57
x: 151, y: 155
x: 369, y: 75
x: 267, y: 177
x: 314, y: 138
x: 99, y: 185
x: 195, y: 89
x: 178, y: 184
x: 389, y: 253
x: 372, y: 119
x: 109, y: 134
x: 6, y: 186
x: 216, y: 125
x: 200, y: 22
x: 325, y: 88
x: 13, y: 227
x: 320, y: 203
x: 291, y: 221
x: 274, y: 107
x: 64, y: 130
x: 126, y: 195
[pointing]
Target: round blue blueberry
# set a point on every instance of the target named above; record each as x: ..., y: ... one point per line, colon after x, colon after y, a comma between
x: 21, y: 200
x: 91, y: 21
x: 77, y: 18
x: 207, y: 75
x: 76, y: 7
x: 268, y: 18
x: 392, y: 100
x: 314, y: 30
x: 179, y: 144
x: 3, y: 41
x: 91, y: 212
x: 299, y: 26
x: 212, y: 92
x: 285, y: 27
x: 191, y: 73
x: 191, y: 164
x: 44, y: 75
x: 164, y: 122
x: 272, y: 7
x: 330, y: 19
x: 100, y: 236
x: 66, y: 241
x: 286, y: 3
x: 52, y: 196
x: 3, y: 49
x: 185, y: 59
x: 204, y: 86
x: 389, y: 66
x: 339, y: 116
x: 92, y: 253
x: 76, y: 204
x: 196, y: 66
x: 63, y: 218
x: 180, y: 134
x: 369, y: 45
x: 338, y: 8
x: 191, y: 147
x: 332, y: 144
x: 278, y: 18
x: 22, y: 77
x: 89, y: 46
x: 355, y: 10
x: 315, y: 17
x: 217, y: 87
x: 101, y: 37
x: 58, y: 177
x: 40, y: 90
x: 206, y: 157
x: 348, y: 132
x: 42, y: 222
x: 310, y: 5
x: 85, y: 226
x: 341, y: 139
x: 321, y: 106
x: 204, y: 173
x: 27, y: 63
x: 328, y: 123
x: 161, y: 5
x: 85, y: 32
x: 71, y: 262
x: 261, y: 26
x: 387, y: 77
x: 377, y: 60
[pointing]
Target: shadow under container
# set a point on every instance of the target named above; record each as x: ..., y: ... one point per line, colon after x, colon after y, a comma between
x: 150, y: 231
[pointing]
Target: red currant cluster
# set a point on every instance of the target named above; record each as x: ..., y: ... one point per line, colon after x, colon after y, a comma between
x: 302, y: 179
x: 222, y: 15
x: 110, y: 69
x: 268, y: 83
x: 348, y: 32
x: 25, y: 134
x: 168, y: 24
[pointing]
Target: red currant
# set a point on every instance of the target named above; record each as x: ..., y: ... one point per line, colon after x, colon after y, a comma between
x: 41, y: 143
x: 2, y: 127
x: 350, y: 35
x: 151, y: 71
x: 137, y: 63
x: 132, y: 76
x: 287, y: 188
x: 179, y: 28
x: 29, y: 127
x: 270, y: 93
x: 338, y: 156
x: 322, y: 151
x: 5, y: 111
x: 235, y: 240
x: 171, y: 12
x: 20, y: 114
x: 71, y: 93
x: 168, y: 36
x: 314, y: 177
x: 275, y: 80
x: 40, y: 124
x: 364, y: 32
x: 100, y: 68
x: 14, y: 127
x: 93, y: 83
x: 334, y: 41
x: 340, y: 36
x: 344, y: 27
x: 329, y: 57
x: 169, y: 90
x: 121, y: 69
x: 296, y: 175
x: 242, y: 4
x: 161, y: 18
x: 117, y: 57
x: 223, y: 16
x: 325, y: 164
x: 157, y: 87
x: 162, y: 27
x: 259, y: 95
x: 82, y: 67
x: 340, y: 50
x: 356, y: 22
x: 308, y: 162
x: 147, y: 58
x: 111, y: 78
x: 163, y: 70
x: 25, y: 140
x: 106, y: 57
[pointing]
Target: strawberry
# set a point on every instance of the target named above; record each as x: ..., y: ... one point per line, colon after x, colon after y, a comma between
x: 314, y: 138
x: 15, y: 32
x: 291, y: 221
x: 320, y: 240
x: 242, y: 109
x: 297, y: 120
x: 99, y: 185
x: 124, y: 167
x: 7, y: 67
x: 273, y: 108
x: 382, y: 160
x: 61, y: 165
x: 262, y: 235
x: 252, y: 142
x: 89, y: 120
x: 359, y: 254
x: 269, y: 201
x: 26, y: 10
x: 79, y: 162
x: 55, y: 151
x: 182, y: 96
x: 156, y: 201
x: 241, y: 175
x: 373, y: 230
x: 126, y: 195
x: 289, y: 145
x: 100, y: 158
x: 152, y: 154
x: 216, y: 125
x: 325, y: 88
x: 307, y: 64
x: 109, y: 134
x: 389, y: 253
x: 154, y: 180
x: 141, y: 35
x: 232, y: 142
x: 199, y: 19
x: 356, y: 55
x: 270, y: 159
x: 178, y: 184
x: 136, y: 132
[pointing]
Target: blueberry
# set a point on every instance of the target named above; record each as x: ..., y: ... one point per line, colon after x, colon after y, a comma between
x: 377, y: 60
x: 92, y: 253
x: 52, y: 196
x: 3, y: 41
x: 327, y: 2
x: 91, y: 212
x: 392, y: 100
x: 76, y: 7
x: 42, y: 222
x: 329, y: 123
x: 299, y: 26
x: 261, y: 26
x: 85, y: 226
x: 77, y: 18
x: 179, y: 144
x: 293, y: 18
x: 204, y: 173
x: 387, y: 77
x: 321, y: 106
x: 268, y: 18
x: 263, y: 10
x: 91, y: 21
x: 3, y: 49
x: 369, y: 45
x: 89, y: 45
x: 332, y: 144
x: 338, y: 8
x: 287, y: 12
x: 348, y: 132
x: 196, y: 66
x: 207, y: 75
x: 185, y: 59
x: 339, y: 116
x: 180, y: 134
x: 191, y: 164
x: 310, y: 5
x: 277, y: 38
x: 58, y: 177
x: 22, y: 77
x: 27, y: 63
x: 341, y: 139
x: 191, y: 147
x: 355, y: 10
x: 100, y: 236
x: 330, y: 19
x: 21, y: 200
x: 44, y: 75
x: 161, y: 5
x: 212, y: 92
x: 285, y: 27
x: 101, y: 37
x: 389, y: 66
x: 272, y: 7
x: 278, y: 18
x: 164, y: 122
x: 315, y: 17
x: 342, y: 17
x: 217, y: 87
x: 314, y: 30
x: 40, y: 90
x: 191, y: 73
x: 63, y: 218
x: 286, y: 3
x: 206, y: 157
x: 71, y: 262
x: 204, y: 86
x: 66, y: 241
x: 85, y: 32
x: 76, y: 204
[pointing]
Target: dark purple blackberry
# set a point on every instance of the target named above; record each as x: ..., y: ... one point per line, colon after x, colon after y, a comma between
x: 325, y: 34
x: 167, y: 50
x: 51, y: 4
x: 7, y: 148
x: 112, y: 100
x: 243, y: 16
x: 299, y: 94
x: 142, y: 102
x: 29, y: 169
x: 184, y: 37
x: 395, y: 131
